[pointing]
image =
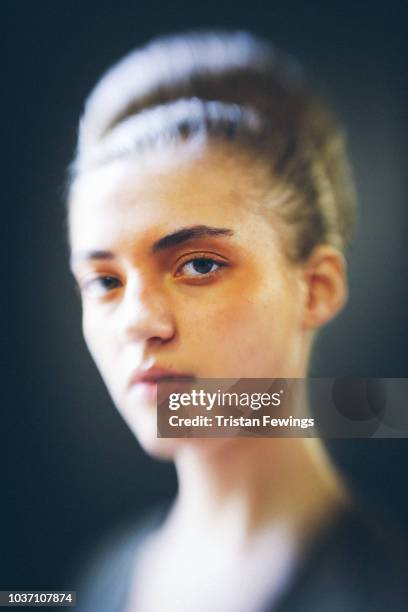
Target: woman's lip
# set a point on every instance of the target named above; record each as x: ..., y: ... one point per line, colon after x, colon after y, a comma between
x: 158, y: 375
x: 148, y: 387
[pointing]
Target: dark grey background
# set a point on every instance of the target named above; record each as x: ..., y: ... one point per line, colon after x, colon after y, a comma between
x: 71, y: 469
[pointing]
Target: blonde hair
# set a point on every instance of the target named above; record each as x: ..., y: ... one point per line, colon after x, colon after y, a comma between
x: 235, y: 87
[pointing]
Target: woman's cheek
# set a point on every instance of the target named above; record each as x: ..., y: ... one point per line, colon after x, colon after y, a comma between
x: 222, y: 338
x: 98, y: 336
x: 251, y: 337
x: 91, y: 327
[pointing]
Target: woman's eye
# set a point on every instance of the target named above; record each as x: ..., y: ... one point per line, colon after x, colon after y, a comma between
x: 100, y: 285
x: 200, y: 266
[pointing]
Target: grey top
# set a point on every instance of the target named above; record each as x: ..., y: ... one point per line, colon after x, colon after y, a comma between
x: 358, y: 565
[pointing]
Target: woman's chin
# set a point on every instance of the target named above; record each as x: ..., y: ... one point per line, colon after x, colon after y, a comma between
x: 163, y: 449
x: 170, y: 449
x: 141, y: 418
x: 143, y: 424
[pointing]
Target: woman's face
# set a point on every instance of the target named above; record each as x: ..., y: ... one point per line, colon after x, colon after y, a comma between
x: 181, y: 272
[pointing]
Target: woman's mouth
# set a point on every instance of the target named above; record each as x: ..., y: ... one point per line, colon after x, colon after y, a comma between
x: 146, y: 382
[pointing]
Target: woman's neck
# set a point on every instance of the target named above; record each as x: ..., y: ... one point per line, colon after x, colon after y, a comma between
x: 246, y: 507
x: 244, y: 485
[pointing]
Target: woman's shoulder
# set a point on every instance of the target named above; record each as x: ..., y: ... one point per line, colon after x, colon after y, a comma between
x: 360, y: 564
x: 106, y: 574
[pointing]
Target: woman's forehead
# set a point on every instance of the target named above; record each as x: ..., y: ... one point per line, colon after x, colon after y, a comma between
x: 122, y: 210
x: 208, y: 188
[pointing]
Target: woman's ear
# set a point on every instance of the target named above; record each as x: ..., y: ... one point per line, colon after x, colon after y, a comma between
x: 324, y: 275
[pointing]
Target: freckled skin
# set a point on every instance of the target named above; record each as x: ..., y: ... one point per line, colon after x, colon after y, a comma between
x: 245, y: 321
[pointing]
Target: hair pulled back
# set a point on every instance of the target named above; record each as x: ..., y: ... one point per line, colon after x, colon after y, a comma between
x: 235, y: 87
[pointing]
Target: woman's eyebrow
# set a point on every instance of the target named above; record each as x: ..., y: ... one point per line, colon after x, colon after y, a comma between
x: 188, y: 233
x: 168, y: 241
x: 88, y: 255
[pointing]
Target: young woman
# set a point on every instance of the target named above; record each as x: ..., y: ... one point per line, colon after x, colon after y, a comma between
x: 209, y: 209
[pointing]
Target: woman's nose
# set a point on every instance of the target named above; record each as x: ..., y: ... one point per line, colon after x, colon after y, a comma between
x: 145, y: 313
